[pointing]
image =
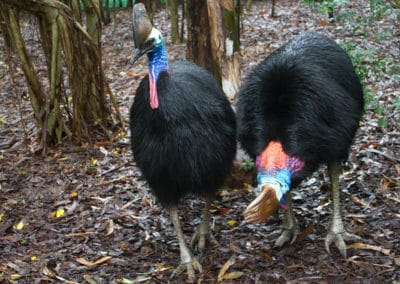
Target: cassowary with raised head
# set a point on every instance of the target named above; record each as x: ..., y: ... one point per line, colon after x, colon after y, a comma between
x: 299, y: 108
x: 183, y: 132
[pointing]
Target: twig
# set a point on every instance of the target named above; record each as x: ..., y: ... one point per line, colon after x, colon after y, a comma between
x: 388, y: 156
x: 115, y: 168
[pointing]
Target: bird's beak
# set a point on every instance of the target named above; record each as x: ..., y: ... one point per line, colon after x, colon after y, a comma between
x: 139, y: 52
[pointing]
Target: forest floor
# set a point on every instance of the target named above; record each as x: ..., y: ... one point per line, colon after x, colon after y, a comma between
x: 85, y: 215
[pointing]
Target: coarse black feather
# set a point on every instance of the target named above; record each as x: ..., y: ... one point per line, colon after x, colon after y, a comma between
x: 186, y: 145
x: 305, y: 95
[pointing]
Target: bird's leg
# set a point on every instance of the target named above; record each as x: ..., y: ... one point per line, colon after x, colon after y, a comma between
x: 202, y: 233
x: 187, y: 259
x: 290, y: 225
x: 337, y: 233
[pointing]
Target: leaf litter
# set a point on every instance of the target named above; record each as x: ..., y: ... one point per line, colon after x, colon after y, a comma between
x: 86, y: 215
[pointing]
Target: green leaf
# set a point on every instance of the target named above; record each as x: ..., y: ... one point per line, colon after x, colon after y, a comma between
x: 383, y: 123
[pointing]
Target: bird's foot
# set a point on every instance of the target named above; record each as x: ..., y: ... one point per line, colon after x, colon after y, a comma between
x: 200, y: 237
x: 339, y: 235
x: 190, y: 266
x: 290, y: 230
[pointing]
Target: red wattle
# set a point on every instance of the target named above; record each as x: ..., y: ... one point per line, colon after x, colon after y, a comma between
x: 153, y: 94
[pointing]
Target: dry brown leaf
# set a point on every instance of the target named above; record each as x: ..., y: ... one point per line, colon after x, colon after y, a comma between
x: 87, y: 263
x: 89, y: 279
x: 323, y: 22
x: 224, y: 268
x: 358, y: 201
x: 80, y: 234
x: 110, y: 227
x: 232, y: 275
x: 370, y: 247
x: 147, y: 202
x: 397, y: 169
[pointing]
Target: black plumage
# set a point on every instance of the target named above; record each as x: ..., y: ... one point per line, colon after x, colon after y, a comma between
x: 307, y: 96
x: 183, y: 132
x: 188, y: 144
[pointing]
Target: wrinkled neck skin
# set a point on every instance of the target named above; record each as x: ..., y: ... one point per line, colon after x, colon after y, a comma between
x: 275, y: 169
x: 158, y: 62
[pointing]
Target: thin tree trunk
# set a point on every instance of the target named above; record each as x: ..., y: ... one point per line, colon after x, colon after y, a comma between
x: 182, y: 33
x: 60, y: 29
x: 198, y: 43
x: 36, y: 94
x: 273, y: 9
x: 173, y: 15
x: 224, y: 32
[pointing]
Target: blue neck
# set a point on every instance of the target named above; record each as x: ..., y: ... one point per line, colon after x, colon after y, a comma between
x: 158, y: 60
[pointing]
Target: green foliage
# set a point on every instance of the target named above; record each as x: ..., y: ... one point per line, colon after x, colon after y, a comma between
x: 362, y: 60
x: 326, y: 6
x: 247, y: 165
x: 368, y: 62
x: 397, y: 103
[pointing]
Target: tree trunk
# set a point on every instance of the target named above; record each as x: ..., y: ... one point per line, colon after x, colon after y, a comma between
x: 198, y: 43
x: 224, y: 30
x: 173, y: 15
x: 105, y: 12
x: 61, y: 30
x: 273, y: 9
x: 213, y: 40
x: 248, y: 5
x: 182, y: 33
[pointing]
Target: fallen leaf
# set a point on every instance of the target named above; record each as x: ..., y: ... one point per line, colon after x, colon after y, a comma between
x: 15, y: 276
x: 79, y: 234
x: 89, y: 279
x: 127, y: 281
x: 87, y: 263
x: 231, y: 223
x: 110, y: 227
x: 323, y: 22
x: 160, y: 266
x: 370, y: 247
x: 358, y: 201
x: 224, y: 268
x: 232, y: 275
x: 147, y: 202
x: 58, y: 213
x: 20, y: 225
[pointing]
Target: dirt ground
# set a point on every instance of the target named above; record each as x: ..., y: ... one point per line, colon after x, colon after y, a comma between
x: 84, y: 214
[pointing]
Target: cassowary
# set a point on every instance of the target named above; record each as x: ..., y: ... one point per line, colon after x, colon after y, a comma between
x: 299, y: 108
x: 183, y: 132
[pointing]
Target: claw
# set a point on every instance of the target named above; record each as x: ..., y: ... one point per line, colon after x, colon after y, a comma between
x: 290, y: 230
x: 200, y: 238
x: 339, y: 235
x: 287, y: 236
x: 290, y: 225
x: 191, y: 267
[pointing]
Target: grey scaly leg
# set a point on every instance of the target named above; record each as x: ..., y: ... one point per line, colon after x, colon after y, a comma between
x: 337, y: 233
x: 187, y: 259
x: 290, y: 225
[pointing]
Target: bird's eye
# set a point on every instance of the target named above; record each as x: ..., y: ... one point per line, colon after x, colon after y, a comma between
x: 150, y: 42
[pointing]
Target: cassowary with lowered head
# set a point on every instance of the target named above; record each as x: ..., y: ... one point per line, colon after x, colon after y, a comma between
x: 183, y: 132
x: 299, y: 108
